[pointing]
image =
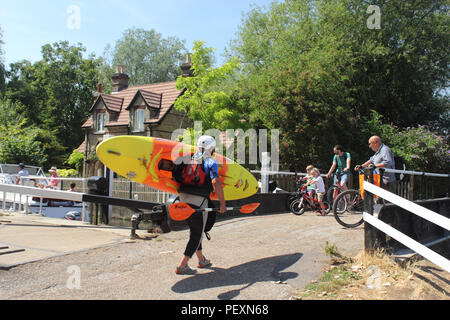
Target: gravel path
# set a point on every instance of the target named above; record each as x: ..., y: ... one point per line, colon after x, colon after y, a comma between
x: 254, y: 257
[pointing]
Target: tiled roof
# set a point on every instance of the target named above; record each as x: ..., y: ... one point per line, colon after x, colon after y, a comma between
x: 81, y: 147
x: 152, y: 99
x: 112, y: 103
x: 165, y: 91
x: 223, y: 138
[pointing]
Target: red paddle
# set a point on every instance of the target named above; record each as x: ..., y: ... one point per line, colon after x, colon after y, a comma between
x: 181, y: 211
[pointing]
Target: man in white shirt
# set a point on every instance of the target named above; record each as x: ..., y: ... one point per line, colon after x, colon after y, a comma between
x: 22, y: 173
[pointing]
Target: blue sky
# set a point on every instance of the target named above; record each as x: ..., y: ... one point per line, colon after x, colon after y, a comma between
x: 28, y: 25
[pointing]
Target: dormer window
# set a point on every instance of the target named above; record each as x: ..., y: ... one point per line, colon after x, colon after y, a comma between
x: 144, y: 107
x: 139, y: 119
x: 105, y: 110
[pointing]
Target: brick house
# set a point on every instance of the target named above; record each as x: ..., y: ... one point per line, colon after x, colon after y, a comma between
x: 145, y: 110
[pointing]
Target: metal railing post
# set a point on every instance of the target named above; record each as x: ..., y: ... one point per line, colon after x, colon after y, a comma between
x: 448, y: 185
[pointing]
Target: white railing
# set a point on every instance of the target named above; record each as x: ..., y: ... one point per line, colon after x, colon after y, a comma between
x: 417, y: 173
x: 24, y: 191
x: 38, y: 192
x: 402, y: 238
x: 45, y: 180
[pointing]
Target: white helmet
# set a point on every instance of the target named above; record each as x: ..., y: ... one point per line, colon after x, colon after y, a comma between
x: 206, y: 142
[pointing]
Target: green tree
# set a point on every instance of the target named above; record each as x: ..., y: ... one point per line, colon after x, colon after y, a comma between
x: 147, y: 56
x: 76, y: 160
x: 18, y: 144
x: 292, y: 81
x: 24, y: 90
x: 55, y: 94
x: 9, y: 113
x: 422, y: 149
x: 210, y: 96
x: 315, y: 70
x: 106, y: 70
x: 11, y: 116
x: 2, y: 66
x: 69, y: 80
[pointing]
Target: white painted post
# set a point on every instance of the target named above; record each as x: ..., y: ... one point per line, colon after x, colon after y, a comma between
x: 84, y: 216
x: 425, y: 252
x: 111, y: 180
x: 265, y: 167
x: 26, y: 209
x: 111, y: 190
x: 14, y: 202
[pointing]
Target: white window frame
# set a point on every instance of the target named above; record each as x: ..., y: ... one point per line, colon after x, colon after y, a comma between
x: 139, y: 117
x: 101, y: 119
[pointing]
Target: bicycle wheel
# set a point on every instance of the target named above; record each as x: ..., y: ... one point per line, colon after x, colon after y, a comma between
x: 292, y: 198
x: 298, y: 207
x: 332, y: 194
x: 351, y: 207
x: 340, y: 206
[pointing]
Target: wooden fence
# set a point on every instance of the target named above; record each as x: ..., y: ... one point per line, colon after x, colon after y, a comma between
x: 411, y: 187
x: 127, y: 189
x: 122, y: 188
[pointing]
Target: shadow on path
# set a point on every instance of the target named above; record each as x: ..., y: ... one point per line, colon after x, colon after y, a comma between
x: 436, y: 283
x: 267, y: 269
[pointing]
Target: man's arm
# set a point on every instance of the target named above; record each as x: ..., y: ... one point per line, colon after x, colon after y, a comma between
x: 349, y: 163
x: 333, y: 167
x: 218, y: 190
x: 365, y: 164
x: 387, y: 160
x: 217, y: 184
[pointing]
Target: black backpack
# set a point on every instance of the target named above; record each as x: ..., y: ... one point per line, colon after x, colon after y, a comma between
x: 192, y: 177
x: 192, y: 174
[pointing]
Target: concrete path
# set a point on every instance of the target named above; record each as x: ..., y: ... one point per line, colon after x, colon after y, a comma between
x: 254, y: 257
x: 43, y: 237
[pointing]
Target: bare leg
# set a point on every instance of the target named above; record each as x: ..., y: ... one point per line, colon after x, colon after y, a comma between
x: 183, y: 262
x: 200, y: 255
x: 322, y: 206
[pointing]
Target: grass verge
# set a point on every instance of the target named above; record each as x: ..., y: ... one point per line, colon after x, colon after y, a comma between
x: 376, y: 276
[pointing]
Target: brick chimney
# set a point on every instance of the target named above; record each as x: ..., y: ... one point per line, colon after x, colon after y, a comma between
x: 99, y: 91
x: 186, y: 68
x: 119, y: 80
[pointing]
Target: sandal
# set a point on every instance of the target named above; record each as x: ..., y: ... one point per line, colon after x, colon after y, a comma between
x: 185, y: 270
x: 203, y: 264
